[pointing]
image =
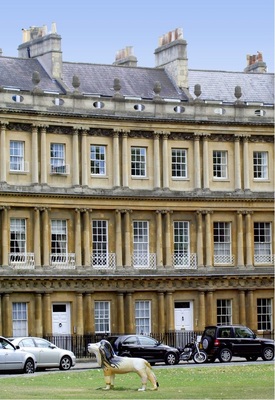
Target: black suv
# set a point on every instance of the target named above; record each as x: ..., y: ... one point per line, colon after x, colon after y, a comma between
x: 225, y: 341
x: 144, y: 347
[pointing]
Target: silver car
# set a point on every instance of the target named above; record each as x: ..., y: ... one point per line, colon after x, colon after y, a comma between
x: 14, y: 359
x: 48, y: 355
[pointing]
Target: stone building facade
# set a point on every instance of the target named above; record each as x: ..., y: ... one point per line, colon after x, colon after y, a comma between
x: 134, y: 199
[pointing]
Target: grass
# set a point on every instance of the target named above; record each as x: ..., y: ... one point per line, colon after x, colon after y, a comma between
x: 222, y: 382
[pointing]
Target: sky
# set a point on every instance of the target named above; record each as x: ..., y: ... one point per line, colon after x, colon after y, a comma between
x: 219, y: 33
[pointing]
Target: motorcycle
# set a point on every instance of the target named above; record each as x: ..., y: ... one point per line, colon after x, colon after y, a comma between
x: 191, y: 351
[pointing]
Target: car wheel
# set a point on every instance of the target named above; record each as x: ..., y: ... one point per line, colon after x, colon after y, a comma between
x: 200, y: 357
x: 225, y: 355
x: 29, y: 366
x: 268, y: 354
x: 171, y: 359
x: 206, y: 342
x: 252, y: 358
x: 65, y: 363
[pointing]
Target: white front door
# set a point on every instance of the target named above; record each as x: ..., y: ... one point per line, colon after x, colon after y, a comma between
x: 61, y: 318
x: 184, y: 315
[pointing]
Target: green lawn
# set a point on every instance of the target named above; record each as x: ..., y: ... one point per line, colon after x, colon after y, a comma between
x: 221, y: 382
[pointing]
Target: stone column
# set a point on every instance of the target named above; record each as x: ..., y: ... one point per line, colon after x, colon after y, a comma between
x: 129, y: 311
x: 248, y: 240
x: 237, y: 165
x: 79, y: 314
x: 159, y: 245
x: 246, y: 161
x: 168, y: 249
x: 3, y: 152
x: 170, y: 311
x: 165, y: 171
x: 125, y: 162
x: 7, y: 316
x: 47, y: 314
x: 120, y: 313
x: 88, y: 320
x: 44, y: 163
x: 36, y: 238
x: 46, y: 238
x: 75, y: 158
x: 240, y: 247
x: 197, y: 161
x: 199, y: 240
x: 211, y: 309
x: 128, y: 262
x: 251, y: 311
x: 242, y: 313
x: 35, y: 179
x: 116, y: 160
x: 84, y: 150
x: 208, y: 239
x: 86, y: 238
x: 77, y: 236
x: 161, y: 316
x: 38, y: 315
x: 201, y: 321
x: 119, y: 262
x: 5, y: 237
x: 205, y: 162
x: 156, y: 161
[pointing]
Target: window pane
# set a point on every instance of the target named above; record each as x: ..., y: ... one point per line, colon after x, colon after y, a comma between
x: 181, y: 237
x: 19, y: 319
x: 219, y: 164
x: 59, y: 236
x: 16, y: 156
x: 260, y: 164
x: 264, y: 314
x: 224, y: 312
x: 138, y: 161
x: 17, y: 235
x: 98, y: 160
x: 179, y: 163
x: 143, y: 317
x: 102, y: 317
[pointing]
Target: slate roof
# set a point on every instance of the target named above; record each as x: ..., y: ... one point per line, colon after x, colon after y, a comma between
x: 135, y: 81
x: 220, y: 85
x: 17, y: 72
x: 138, y: 81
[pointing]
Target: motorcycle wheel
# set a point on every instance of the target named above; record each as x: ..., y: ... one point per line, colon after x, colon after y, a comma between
x: 200, y: 357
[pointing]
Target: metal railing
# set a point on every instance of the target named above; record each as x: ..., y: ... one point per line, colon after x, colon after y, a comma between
x: 103, y: 261
x: 144, y: 261
x: 184, y: 261
x: 21, y: 260
x: 62, y: 261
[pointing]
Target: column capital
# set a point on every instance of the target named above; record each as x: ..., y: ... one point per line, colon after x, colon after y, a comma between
x: 246, y: 138
x: 197, y: 135
x: 205, y: 136
x: 84, y: 210
x: 3, y: 124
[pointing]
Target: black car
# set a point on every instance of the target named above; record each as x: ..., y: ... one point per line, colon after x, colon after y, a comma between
x: 225, y: 341
x: 144, y: 347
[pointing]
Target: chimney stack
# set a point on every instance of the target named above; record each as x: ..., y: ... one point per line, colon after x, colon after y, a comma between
x: 172, y: 56
x: 125, y: 57
x: 255, y: 63
x: 37, y: 43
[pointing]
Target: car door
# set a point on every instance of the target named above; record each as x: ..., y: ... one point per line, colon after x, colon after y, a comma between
x: 47, y: 353
x: 149, y: 349
x: 10, y: 359
x: 130, y: 345
x: 247, y: 343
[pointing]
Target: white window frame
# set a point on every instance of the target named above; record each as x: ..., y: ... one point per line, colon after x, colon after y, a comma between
x: 262, y: 242
x: 100, y: 242
x: 179, y: 163
x: 98, y: 159
x: 59, y: 238
x: 102, y: 317
x: 264, y: 314
x: 222, y: 243
x: 19, y: 319
x: 138, y: 162
x: 224, y: 311
x: 17, y: 156
x: 18, y: 230
x: 141, y: 243
x: 143, y: 317
x: 260, y: 165
x: 58, y: 158
x: 220, y: 164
